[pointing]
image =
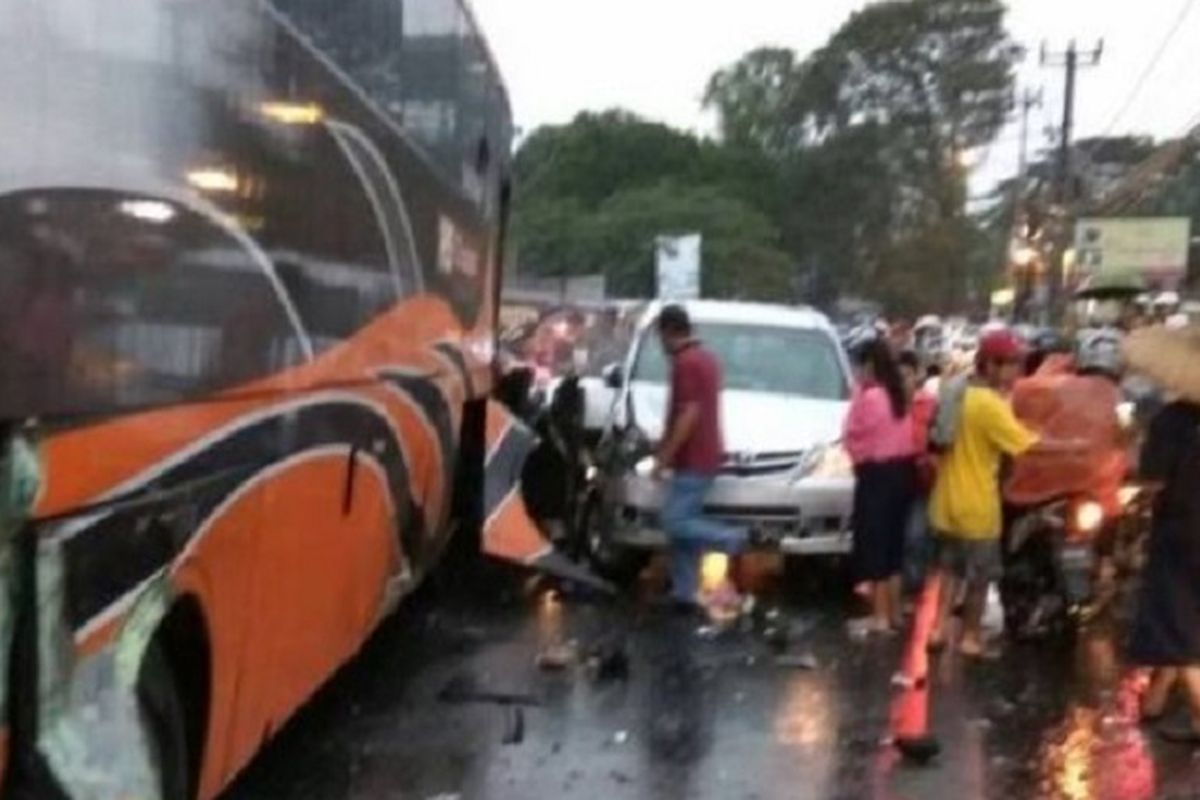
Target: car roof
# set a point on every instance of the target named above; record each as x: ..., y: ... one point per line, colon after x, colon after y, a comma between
x: 733, y: 312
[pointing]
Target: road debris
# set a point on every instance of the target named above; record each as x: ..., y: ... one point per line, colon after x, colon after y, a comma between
x: 514, y: 732
x: 608, y: 661
x: 558, y: 657
x: 464, y: 689
x: 805, y: 661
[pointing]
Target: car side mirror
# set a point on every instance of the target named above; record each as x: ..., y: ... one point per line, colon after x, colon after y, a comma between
x: 614, y: 376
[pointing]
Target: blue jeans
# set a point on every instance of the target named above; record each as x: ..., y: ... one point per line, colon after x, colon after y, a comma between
x: 691, y: 534
x: 917, y: 545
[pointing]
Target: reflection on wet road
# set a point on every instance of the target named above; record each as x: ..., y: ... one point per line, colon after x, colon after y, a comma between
x: 700, y: 717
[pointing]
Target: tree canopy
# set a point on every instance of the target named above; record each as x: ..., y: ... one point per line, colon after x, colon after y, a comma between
x: 845, y: 166
x: 594, y: 196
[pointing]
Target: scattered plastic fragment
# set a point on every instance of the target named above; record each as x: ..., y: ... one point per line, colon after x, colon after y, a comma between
x: 558, y: 657
x: 514, y: 732
x: 805, y: 661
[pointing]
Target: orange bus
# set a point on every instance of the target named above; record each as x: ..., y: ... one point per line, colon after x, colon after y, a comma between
x: 249, y: 257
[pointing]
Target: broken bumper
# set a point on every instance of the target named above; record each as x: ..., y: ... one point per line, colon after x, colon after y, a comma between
x: 806, y: 517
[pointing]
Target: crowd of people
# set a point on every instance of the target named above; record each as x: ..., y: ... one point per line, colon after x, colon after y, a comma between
x: 930, y: 455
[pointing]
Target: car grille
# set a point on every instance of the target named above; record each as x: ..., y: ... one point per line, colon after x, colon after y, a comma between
x: 751, y: 512
x: 755, y: 464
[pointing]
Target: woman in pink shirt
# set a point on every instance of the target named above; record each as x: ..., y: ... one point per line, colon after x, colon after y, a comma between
x: 879, y: 438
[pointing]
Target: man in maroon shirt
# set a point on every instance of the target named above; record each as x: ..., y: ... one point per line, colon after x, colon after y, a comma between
x: 693, y: 451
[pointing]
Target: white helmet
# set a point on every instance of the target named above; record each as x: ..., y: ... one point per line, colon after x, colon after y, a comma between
x: 928, y: 321
x: 1098, y: 350
x: 1166, y: 299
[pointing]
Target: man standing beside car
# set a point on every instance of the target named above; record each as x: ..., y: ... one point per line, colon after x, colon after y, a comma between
x: 690, y: 456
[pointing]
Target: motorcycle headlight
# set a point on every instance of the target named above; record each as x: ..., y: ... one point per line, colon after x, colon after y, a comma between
x: 826, y: 461
x: 1127, y: 495
x: 644, y: 467
x: 1089, y: 516
x: 1126, y: 414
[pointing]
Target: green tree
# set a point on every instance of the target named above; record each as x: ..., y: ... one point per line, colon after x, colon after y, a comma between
x: 742, y: 255
x: 908, y: 86
x: 598, y: 154
x: 593, y: 196
x: 741, y: 250
x: 755, y: 98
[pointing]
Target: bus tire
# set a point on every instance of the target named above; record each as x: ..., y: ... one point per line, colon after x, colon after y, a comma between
x: 163, y: 718
x: 614, y: 562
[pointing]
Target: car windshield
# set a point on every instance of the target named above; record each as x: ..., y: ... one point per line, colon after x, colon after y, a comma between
x: 759, y: 358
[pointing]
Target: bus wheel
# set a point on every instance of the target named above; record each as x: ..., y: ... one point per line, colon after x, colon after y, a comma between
x: 621, y: 565
x: 163, y: 718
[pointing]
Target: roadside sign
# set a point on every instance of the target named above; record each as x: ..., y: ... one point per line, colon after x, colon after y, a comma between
x: 1152, y: 251
x: 678, y: 266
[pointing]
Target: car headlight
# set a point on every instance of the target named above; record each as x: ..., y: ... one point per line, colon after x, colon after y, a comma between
x: 826, y: 461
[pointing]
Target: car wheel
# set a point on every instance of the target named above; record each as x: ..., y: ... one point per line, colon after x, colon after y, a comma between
x: 621, y: 565
x: 163, y: 718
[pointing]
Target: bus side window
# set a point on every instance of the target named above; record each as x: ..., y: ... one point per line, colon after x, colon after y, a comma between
x: 129, y: 301
x: 322, y: 229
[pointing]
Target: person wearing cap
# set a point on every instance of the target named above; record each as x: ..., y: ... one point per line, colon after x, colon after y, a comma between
x: 965, y: 505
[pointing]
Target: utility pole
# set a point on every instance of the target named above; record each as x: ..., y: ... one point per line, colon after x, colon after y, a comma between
x: 1070, y: 62
x: 1021, y: 274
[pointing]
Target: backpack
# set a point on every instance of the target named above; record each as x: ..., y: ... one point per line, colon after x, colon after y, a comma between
x: 944, y: 428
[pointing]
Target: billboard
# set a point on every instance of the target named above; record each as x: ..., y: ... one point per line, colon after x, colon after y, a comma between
x: 1153, y: 250
x: 678, y: 266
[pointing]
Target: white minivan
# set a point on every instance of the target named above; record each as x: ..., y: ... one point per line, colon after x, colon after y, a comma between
x: 786, y: 389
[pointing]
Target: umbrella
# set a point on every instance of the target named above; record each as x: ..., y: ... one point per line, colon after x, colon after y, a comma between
x: 1110, y: 287
x: 1169, y: 357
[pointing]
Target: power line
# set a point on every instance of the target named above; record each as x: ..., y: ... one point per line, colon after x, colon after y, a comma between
x: 1150, y: 67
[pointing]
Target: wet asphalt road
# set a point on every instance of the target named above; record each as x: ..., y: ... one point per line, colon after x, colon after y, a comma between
x: 706, y: 718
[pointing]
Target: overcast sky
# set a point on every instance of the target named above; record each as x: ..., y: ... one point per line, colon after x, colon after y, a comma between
x: 654, y: 57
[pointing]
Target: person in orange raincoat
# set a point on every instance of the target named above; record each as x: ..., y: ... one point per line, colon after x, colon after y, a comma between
x: 1074, y: 399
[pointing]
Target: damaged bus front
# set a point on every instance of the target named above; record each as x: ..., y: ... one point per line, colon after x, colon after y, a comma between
x: 249, y: 264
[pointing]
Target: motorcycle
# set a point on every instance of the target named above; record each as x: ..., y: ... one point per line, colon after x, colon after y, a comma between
x: 1070, y: 559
